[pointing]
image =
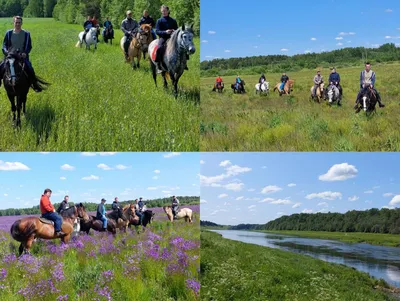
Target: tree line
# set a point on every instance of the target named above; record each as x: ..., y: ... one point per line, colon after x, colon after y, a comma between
x: 76, y: 11
x: 369, y: 221
x: 183, y: 200
x: 346, y: 57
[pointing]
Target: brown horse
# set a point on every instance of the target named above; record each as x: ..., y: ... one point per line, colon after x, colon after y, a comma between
x: 319, y: 93
x: 91, y: 222
x: 287, y: 88
x: 27, y: 229
x: 122, y: 221
x: 148, y: 216
x: 140, y: 43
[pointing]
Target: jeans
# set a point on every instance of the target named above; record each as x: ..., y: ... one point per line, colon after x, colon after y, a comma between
x: 282, y: 86
x: 104, y: 220
x: 140, y: 214
x: 55, y: 218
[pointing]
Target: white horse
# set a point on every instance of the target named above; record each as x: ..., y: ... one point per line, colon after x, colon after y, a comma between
x: 333, y: 94
x: 264, y: 88
x: 90, y: 39
x: 185, y: 213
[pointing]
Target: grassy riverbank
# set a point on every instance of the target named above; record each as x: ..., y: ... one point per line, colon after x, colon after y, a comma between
x: 232, y: 270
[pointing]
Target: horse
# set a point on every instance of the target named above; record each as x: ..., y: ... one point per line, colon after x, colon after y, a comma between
x: 91, y: 38
x: 369, y: 100
x: 320, y: 92
x: 287, y: 88
x: 218, y: 87
x: 108, y: 34
x: 97, y: 225
x: 17, y: 83
x: 148, y: 216
x: 122, y: 221
x: 146, y: 28
x: 333, y: 94
x: 140, y: 42
x: 264, y: 88
x: 27, y: 229
x: 240, y: 88
x: 174, y: 60
x: 185, y: 213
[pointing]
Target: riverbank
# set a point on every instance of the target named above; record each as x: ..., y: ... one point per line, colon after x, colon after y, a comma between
x: 232, y: 270
x: 378, y: 239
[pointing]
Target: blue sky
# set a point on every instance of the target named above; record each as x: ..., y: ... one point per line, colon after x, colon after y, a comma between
x: 88, y: 177
x: 251, y: 28
x: 259, y: 187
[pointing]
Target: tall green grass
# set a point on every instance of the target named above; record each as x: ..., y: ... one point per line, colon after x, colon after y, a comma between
x: 249, y: 122
x: 232, y: 270
x: 96, y: 101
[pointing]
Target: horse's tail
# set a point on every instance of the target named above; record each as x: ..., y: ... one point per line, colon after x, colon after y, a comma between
x: 42, y: 83
x: 21, y: 235
x: 275, y: 88
x: 78, y: 43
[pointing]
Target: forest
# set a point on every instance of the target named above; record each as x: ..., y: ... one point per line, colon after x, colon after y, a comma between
x: 370, y: 221
x: 183, y: 200
x: 346, y: 57
x: 76, y: 11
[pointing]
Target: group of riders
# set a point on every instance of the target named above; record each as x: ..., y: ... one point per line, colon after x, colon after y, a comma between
x: 48, y: 211
x: 367, y: 82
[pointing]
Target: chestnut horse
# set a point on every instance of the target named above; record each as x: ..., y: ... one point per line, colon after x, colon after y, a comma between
x: 319, y: 92
x: 287, y: 88
x: 27, y: 229
x: 140, y: 43
x: 122, y: 221
x: 185, y: 213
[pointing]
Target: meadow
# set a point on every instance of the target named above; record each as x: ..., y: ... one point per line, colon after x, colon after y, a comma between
x: 159, y: 263
x: 96, y: 101
x: 232, y: 270
x: 249, y: 122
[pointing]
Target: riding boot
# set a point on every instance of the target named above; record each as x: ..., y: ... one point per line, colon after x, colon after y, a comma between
x: 126, y: 48
x: 84, y: 37
x: 158, y: 61
x: 378, y: 98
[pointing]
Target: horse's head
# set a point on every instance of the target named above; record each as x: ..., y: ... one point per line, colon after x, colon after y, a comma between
x: 321, y: 87
x: 367, y: 98
x: 93, y: 33
x: 146, y: 28
x: 82, y: 212
x: 185, y: 39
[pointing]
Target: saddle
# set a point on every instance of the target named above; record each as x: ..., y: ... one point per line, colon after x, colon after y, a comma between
x: 47, y: 221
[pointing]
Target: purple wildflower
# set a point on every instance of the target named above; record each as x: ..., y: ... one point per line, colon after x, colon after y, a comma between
x: 62, y: 298
x: 108, y: 275
x: 9, y: 258
x: 3, y: 273
x: 58, y: 273
x: 193, y: 285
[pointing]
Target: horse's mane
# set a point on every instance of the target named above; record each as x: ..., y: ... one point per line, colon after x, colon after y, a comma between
x: 172, y: 42
x: 70, y: 212
x: 145, y: 27
x: 126, y: 207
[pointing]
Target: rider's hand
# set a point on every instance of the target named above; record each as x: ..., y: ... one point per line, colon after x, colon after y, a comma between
x: 169, y: 31
x: 23, y: 55
x: 331, y: 83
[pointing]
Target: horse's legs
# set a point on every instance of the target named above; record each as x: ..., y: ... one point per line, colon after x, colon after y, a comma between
x: 165, y: 80
x: 65, y: 239
x: 153, y: 71
x: 19, y: 107
x: 13, y: 107
x: 28, y: 244
x: 21, y: 249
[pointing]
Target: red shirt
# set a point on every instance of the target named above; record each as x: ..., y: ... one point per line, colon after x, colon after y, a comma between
x: 45, y: 204
x: 219, y: 80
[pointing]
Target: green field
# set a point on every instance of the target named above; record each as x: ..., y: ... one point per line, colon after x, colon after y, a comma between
x: 292, y: 123
x: 96, y: 101
x: 232, y: 270
x: 390, y: 240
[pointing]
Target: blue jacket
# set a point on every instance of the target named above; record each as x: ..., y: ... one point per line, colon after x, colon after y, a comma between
x: 101, y: 210
x: 87, y: 24
x: 7, y: 43
x: 107, y: 23
x: 334, y: 77
x: 149, y: 20
x: 362, y: 75
x: 163, y: 24
x: 140, y: 203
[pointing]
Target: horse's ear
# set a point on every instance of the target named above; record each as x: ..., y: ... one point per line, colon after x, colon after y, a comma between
x: 183, y: 27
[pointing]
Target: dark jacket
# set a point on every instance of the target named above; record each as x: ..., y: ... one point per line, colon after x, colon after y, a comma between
x: 262, y: 77
x: 149, y: 20
x: 100, y: 210
x: 7, y: 43
x: 115, y: 206
x: 63, y: 206
x: 107, y: 24
x: 163, y: 24
x: 284, y: 78
x: 87, y: 22
x: 334, y: 78
x: 141, y: 204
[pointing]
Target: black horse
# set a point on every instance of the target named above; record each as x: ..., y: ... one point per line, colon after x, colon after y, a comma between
x: 108, y: 34
x: 218, y: 87
x: 240, y: 88
x: 97, y: 225
x: 17, y: 83
x: 367, y: 101
x: 148, y: 216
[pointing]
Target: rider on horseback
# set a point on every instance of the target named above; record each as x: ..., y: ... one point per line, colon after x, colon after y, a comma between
x: 101, y: 214
x: 139, y: 210
x: 175, y: 206
x: 334, y: 79
x: 86, y: 27
x: 146, y: 19
x: 129, y: 27
x: 106, y: 25
x: 318, y: 80
x: 238, y: 82
x: 18, y: 39
x: 48, y: 212
x: 284, y: 79
x: 63, y: 205
x: 367, y: 80
x: 262, y: 80
x: 218, y: 82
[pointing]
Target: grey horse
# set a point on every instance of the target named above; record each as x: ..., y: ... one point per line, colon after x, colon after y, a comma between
x: 174, y: 60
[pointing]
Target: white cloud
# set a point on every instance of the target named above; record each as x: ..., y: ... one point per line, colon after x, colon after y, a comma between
x: 212, y: 32
x: 251, y: 190
x: 387, y: 207
x: 353, y: 198
x: 266, y: 200
x: 234, y: 186
x: 325, y: 204
x: 392, y: 37
x: 339, y: 172
x: 207, y: 181
x: 307, y: 51
x: 369, y: 191
x: 45, y: 153
x: 395, y: 201
x: 284, y: 49
x: 88, y: 154
x: 107, y: 153
x: 170, y: 155
x: 63, y: 178
x: 281, y: 202
x: 67, y: 167
x: 313, y: 39
x: 346, y: 33
x: 204, y: 41
x: 152, y: 188
x: 154, y: 177
x: 339, y: 44
x: 225, y: 163
x: 388, y: 194
x: 227, y: 204
x: 327, y: 195
x: 203, y: 202
x: 291, y: 185
x: 252, y: 206
x: 307, y: 211
x: 339, y: 38
x: 166, y: 191
x: 222, y: 195
x: 270, y: 189
x: 202, y: 162
x: 5, y: 194
x: 235, y: 170
x: 239, y: 198
x: 227, y: 50
x: 12, y: 166
x: 296, y: 205
x: 91, y: 177
x: 388, y: 10
x: 104, y: 166
x: 121, y: 167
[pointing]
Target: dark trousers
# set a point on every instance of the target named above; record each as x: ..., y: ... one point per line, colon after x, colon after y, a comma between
x: 127, y: 42
x: 161, y: 42
x: 140, y: 214
x: 55, y: 218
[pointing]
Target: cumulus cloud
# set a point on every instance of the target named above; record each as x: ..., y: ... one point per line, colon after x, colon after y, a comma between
x: 239, y: 198
x: 12, y: 166
x: 266, y: 200
x: 227, y: 50
x: 121, y: 167
x: 284, y: 50
x: 339, y: 172
x: 203, y: 202
x: 307, y: 211
x: 225, y: 163
x: 202, y: 162
x: 63, y: 178
x: 369, y: 191
x: 281, y: 202
x: 212, y: 32
x: 291, y: 185
x: 353, y: 198
x: 234, y: 186
x: 91, y: 177
x: 325, y: 204
x: 171, y: 155
x: 395, y: 201
x: 104, y: 166
x: 252, y: 206
x: 296, y: 205
x: 327, y: 195
x: 204, y: 41
x: 339, y: 38
x: 67, y: 167
x: 270, y: 189
x: 388, y: 194
x: 346, y: 33
x: 313, y: 39
x: 222, y: 195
